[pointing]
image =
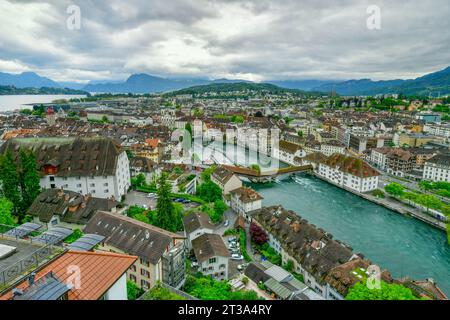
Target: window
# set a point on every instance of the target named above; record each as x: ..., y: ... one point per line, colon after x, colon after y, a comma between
x: 106, y: 191
x: 145, y: 285
x: 79, y: 185
x: 92, y: 185
x: 213, y: 260
x: 52, y: 178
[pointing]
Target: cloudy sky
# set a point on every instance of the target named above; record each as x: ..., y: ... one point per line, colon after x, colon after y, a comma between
x: 253, y: 39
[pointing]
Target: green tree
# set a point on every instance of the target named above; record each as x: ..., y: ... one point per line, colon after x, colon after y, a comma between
x: 429, y: 201
x: 166, y: 215
x: 5, y: 212
x: 29, y: 179
x: 10, y: 182
x: 209, y: 191
x: 360, y: 291
x: 133, y: 291
x: 395, y: 189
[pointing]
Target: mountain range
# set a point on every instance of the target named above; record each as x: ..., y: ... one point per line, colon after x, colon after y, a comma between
x: 437, y: 83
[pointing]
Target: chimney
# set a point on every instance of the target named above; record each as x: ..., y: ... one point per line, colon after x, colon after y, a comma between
x: 31, y: 278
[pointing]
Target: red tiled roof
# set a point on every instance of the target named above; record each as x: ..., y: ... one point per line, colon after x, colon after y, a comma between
x: 99, y: 271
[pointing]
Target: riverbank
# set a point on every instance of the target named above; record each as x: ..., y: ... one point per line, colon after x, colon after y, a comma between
x: 405, y: 246
x: 391, y: 205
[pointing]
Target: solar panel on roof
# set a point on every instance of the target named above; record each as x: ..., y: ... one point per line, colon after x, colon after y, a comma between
x: 86, y: 242
x: 23, y: 230
x: 53, y: 236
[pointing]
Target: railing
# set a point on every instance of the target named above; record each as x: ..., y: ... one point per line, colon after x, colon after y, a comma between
x: 171, y: 289
x: 29, y: 263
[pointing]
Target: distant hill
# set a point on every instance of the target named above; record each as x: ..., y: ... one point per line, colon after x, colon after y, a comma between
x: 435, y: 83
x: 12, y: 90
x: 224, y: 88
x: 144, y: 83
x: 306, y: 85
x: 26, y: 80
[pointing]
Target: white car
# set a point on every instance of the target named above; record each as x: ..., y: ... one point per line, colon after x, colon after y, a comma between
x: 151, y: 195
x: 236, y: 256
x: 242, y: 267
x: 194, y: 264
x: 227, y: 223
x: 145, y: 206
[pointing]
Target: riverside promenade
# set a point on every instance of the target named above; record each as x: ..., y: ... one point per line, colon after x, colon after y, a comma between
x: 393, y: 204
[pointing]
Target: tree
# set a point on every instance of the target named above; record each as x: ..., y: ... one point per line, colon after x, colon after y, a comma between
x: 289, y: 266
x: 300, y: 133
x: 166, y: 215
x: 29, y: 179
x: 429, y: 201
x: 133, y: 291
x: 138, y: 181
x: 259, y: 236
x: 219, y: 209
x: 361, y: 291
x: 209, y: 191
x: 395, y: 189
x: 10, y: 181
x: 5, y: 212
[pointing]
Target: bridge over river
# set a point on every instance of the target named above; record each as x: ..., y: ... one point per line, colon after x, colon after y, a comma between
x: 267, y: 175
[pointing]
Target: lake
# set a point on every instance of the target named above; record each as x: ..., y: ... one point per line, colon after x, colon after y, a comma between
x: 14, y: 102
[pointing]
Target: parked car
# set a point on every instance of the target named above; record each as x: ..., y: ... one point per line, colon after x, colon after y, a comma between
x: 145, y: 206
x: 194, y: 264
x: 242, y: 267
x: 232, y: 239
x: 227, y: 223
x: 233, y: 245
x: 236, y: 256
x: 151, y: 195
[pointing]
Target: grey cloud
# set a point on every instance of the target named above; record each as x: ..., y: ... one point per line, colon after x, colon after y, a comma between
x: 267, y: 39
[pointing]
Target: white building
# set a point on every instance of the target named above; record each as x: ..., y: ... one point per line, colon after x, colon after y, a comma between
x: 244, y: 200
x: 349, y: 172
x: 195, y: 225
x: 226, y: 180
x: 96, y: 166
x: 378, y: 157
x: 288, y: 151
x: 437, y: 130
x: 437, y: 168
x: 212, y: 255
x: 331, y: 147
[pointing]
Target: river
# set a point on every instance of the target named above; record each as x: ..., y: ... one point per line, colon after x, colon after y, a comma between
x: 403, y: 245
x: 15, y: 102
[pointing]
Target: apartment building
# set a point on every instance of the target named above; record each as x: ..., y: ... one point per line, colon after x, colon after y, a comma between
x: 226, y: 180
x: 349, y: 172
x: 437, y: 168
x: 244, y: 200
x: 96, y: 165
x: 212, y: 255
x: 161, y: 253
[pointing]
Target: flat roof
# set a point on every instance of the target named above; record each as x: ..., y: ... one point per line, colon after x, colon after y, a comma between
x: 23, y: 250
